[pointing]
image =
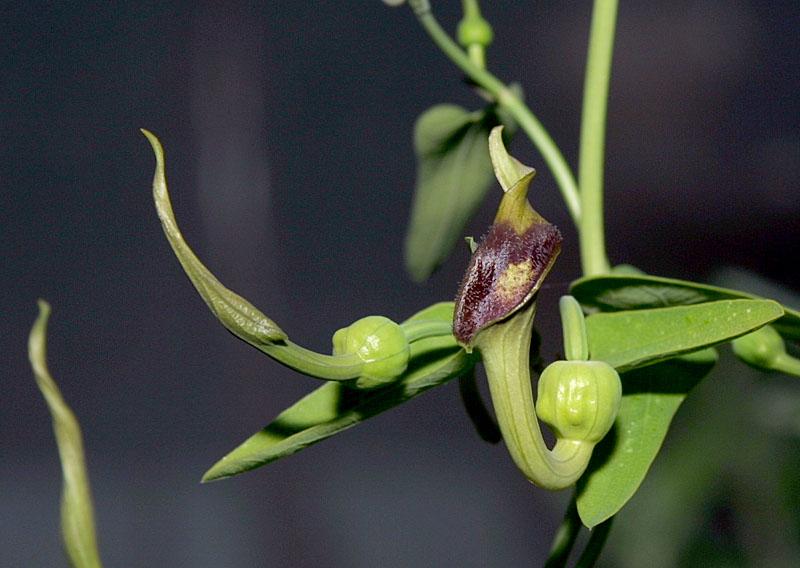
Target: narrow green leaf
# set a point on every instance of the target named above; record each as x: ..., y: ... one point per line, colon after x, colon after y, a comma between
x: 453, y: 175
x: 635, y: 338
x: 77, y: 512
x: 632, y: 292
x: 333, y: 408
x: 651, y: 396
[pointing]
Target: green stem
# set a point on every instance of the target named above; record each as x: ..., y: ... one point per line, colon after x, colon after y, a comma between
x: 420, y: 329
x: 473, y: 403
x: 576, y: 343
x: 593, y: 133
x: 565, y: 537
x: 471, y: 8
x: 591, y: 161
x: 513, y: 105
x: 595, y: 545
x: 476, y: 52
x: 311, y: 363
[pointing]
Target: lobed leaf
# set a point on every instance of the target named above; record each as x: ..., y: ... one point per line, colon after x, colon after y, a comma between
x: 638, y: 291
x: 651, y: 396
x: 453, y: 175
x: 635, y: 338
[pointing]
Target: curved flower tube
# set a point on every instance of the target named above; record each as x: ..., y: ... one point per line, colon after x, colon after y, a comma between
x: 494, y: 314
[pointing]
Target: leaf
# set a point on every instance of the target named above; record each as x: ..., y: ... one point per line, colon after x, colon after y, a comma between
x: 635, y: 338
x: 333, y: 408
x: 77, y: 512
x: 651, y: 396
x: 453, y: 175
x: 632, y: 292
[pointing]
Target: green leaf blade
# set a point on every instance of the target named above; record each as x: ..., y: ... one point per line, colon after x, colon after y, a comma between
x: 453, y: 175
x: 617, y: 292
x: 635, y: 338
x: 651, y: 397
x: 334, y: 408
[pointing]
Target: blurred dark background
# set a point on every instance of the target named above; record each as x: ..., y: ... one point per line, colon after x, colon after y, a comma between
x: 287, y: 128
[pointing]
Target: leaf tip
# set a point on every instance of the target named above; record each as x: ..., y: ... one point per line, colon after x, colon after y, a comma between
x: 217, y: 472
x: 209, y: 477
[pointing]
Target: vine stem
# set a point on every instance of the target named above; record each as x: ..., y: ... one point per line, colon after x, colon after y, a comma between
x: 565, y: 537
x: 593, y: 133
x: 595, y: 545
x: 506, y: 98
x: 585, y: 206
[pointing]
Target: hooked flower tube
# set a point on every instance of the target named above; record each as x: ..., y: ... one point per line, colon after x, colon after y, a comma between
x: 494, y: 314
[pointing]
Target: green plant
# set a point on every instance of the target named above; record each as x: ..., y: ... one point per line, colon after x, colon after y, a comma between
x: 638, y: 326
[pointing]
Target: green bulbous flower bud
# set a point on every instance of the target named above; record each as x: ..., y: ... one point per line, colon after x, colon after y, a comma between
x: 762, y: 348
x: 380, y: 343
x: 474, y: 31
x: 579, y: 399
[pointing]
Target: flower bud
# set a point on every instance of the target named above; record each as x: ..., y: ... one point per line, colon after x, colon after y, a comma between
x: 579, y: 399
x: 380, y: 343
x: 761, y: 348
x: 474, y: 31
x: 508, y: 266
